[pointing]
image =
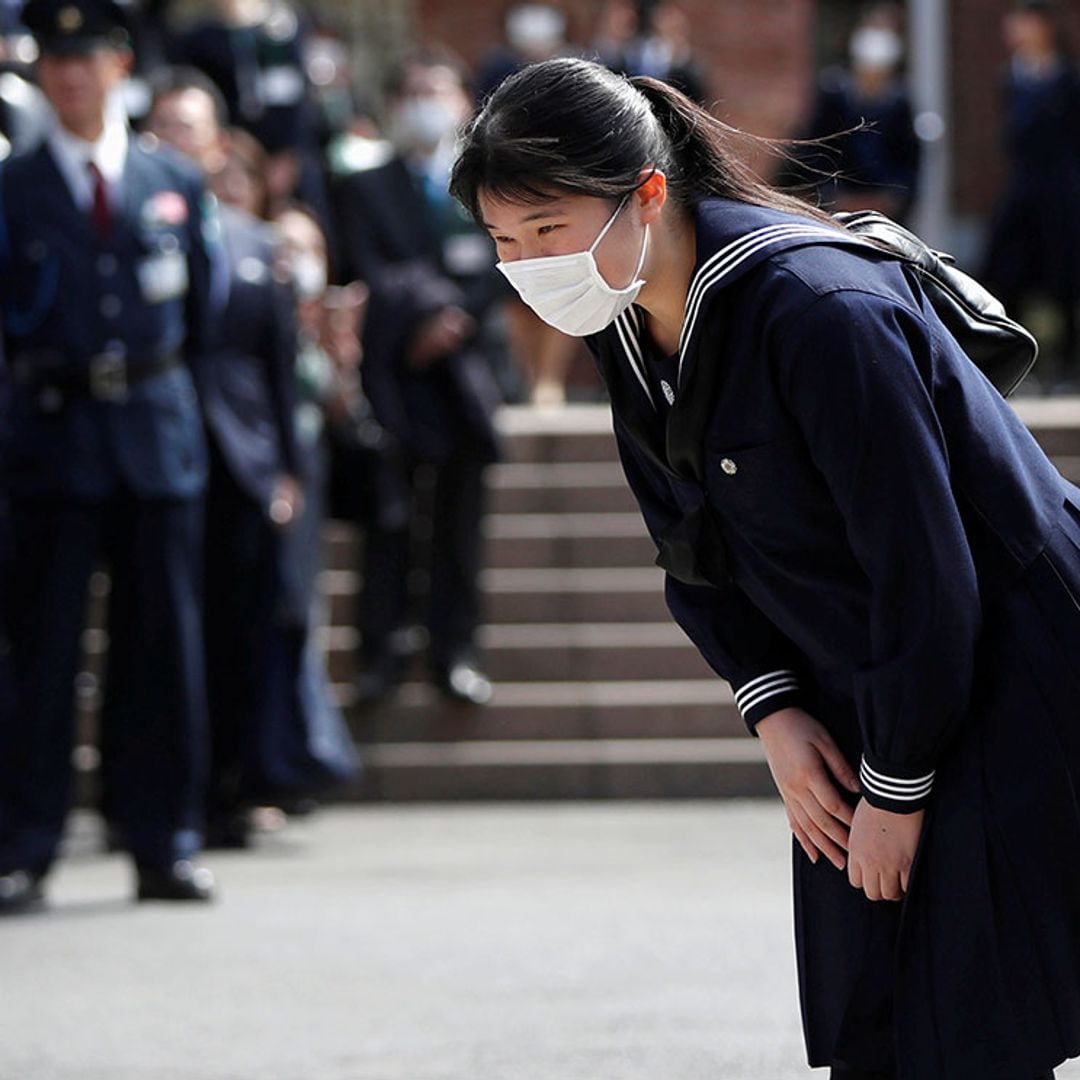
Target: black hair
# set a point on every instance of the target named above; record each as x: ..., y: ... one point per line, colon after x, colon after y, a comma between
x: 573, y: 126
x: 180, y: 79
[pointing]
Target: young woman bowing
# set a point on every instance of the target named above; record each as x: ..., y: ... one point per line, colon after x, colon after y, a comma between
x: 874, y: 552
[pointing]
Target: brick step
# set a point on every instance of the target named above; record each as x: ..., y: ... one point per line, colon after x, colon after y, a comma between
x: 578, y: 433
x: 560, y: 652
x: 598, y: 594
x: 533, y: 539
x: 689, y: 708
x: 568, y: 540
x: 568, y: 487
x: 537, y: 595
x: 566, y: 769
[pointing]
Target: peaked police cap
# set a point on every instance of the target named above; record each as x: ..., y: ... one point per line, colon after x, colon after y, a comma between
x: 76, y: 26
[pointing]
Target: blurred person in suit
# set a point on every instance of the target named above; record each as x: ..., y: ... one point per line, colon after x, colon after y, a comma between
x: 533, y: 31
x: 431, y: 349
x: 254, y: 494
x: 254, y: 50
x: 305, y: 748
x: 1033, y: 249
x: 105, y: 273
x: 868, y: 155
x: 664, y: 50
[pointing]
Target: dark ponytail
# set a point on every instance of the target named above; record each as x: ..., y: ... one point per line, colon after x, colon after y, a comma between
x: 573, y: 126
x: 704, y: 154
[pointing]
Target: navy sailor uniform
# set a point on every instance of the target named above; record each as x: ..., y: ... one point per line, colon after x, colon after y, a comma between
x: 879, y: 540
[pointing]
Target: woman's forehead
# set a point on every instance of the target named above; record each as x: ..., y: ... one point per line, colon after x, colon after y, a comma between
x: 510, y: 210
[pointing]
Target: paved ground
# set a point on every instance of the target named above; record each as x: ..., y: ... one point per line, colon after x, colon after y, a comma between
x: 554, y: 942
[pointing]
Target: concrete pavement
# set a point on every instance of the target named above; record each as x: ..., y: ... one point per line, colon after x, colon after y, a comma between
x: 599, y: 941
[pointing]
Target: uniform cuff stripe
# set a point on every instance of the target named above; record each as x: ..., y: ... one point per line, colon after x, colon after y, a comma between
x: 784, y: 687
x: 893, y: 787
x: 764, y: 686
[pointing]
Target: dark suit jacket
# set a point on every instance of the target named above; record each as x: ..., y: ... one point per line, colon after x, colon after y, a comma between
x: 392, y: 240
x: 249, y: 385
x: 68, y: 295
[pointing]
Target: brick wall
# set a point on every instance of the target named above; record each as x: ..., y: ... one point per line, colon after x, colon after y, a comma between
x: 762, y: 61
x: 760, y: 56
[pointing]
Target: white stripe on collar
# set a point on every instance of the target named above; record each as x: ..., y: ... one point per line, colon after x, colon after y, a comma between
x: 628, y: 329
x: 727, y: 259
x: 718, y: 266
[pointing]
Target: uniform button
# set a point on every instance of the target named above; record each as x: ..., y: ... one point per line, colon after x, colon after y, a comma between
x: 168, y: 244
x: 111, y: 306
x: 729, y: 466
x: 106, y: 265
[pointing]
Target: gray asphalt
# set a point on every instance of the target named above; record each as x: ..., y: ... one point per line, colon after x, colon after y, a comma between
x: 543, y: 942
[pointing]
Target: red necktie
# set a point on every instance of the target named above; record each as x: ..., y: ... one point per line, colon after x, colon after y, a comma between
x: 100, y: 215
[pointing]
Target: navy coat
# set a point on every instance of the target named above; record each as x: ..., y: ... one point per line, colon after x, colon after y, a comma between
x: 260, y: 72
x: 392, y: 240
x: 870, y: 145
x: 1035, y: 230
x: 249, y: 381
x: 68, y: 295
x: 881, y: 523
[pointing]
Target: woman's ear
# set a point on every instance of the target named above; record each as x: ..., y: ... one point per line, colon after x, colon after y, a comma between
x: 651, y: 194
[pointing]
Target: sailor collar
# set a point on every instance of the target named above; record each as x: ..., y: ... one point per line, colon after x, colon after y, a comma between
x: 732, y: 238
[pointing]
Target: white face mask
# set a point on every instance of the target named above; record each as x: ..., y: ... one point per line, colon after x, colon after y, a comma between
x: 421, y: 123
x: 876, y: 47
x: 569, y: 292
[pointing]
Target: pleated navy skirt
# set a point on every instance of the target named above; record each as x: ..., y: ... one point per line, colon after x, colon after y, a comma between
x: 976, y: 975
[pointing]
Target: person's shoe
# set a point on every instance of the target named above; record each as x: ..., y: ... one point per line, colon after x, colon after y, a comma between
x: 464, y: 682
x: 20, y: 890
x: 183, y: 880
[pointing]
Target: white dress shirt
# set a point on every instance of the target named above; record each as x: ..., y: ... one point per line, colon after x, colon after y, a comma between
x: 108, y: 153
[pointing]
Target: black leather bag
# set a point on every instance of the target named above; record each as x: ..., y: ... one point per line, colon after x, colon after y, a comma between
x: 999, y: 346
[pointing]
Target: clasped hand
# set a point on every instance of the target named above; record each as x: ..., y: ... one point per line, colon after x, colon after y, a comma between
x: 876, y: 847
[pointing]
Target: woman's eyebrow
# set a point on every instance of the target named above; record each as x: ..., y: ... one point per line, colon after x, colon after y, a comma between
x: 536, y: 215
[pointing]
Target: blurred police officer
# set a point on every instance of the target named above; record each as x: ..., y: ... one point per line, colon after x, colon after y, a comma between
x: 249, y: 399
x: 106, y: 289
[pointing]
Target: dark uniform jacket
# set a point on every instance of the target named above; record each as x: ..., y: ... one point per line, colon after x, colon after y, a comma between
x: 260, y: 72
x: 891, y: 550
x: 1034, y: 241
x: 249, y: 384
x: 418, y: 259
x: 848, y: 562
x: 70, y: 298
x: 870, y: 144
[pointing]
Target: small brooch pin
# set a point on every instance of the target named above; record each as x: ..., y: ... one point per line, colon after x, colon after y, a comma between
x: 165, y: 208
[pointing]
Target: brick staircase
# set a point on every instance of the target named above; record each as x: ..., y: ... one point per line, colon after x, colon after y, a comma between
x: 597, y: 692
